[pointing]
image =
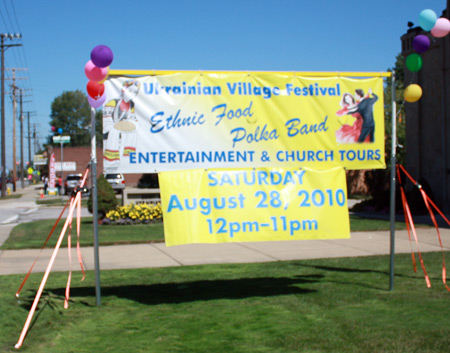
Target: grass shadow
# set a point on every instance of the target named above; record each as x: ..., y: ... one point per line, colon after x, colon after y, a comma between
x: 416, y: 276
x: 182, y: 292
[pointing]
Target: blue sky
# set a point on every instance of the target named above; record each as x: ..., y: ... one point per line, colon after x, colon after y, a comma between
x: 272, y: 35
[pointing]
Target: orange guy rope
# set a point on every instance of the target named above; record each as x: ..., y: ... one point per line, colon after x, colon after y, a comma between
x: 43, y: 246
x: 44, y: 279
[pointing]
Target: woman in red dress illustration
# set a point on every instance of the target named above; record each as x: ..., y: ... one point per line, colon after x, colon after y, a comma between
x: 351, y: 124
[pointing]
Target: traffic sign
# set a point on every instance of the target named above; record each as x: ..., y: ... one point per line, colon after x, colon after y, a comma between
x: 61, y: 139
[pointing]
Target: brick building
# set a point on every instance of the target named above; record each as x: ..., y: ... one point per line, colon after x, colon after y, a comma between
x: 428, y: 120
x: 78, y: 158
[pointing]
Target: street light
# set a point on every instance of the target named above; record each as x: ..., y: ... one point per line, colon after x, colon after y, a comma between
x: 3, y: 47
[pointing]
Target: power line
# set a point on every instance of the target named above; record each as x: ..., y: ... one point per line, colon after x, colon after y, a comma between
x: 15, y: 16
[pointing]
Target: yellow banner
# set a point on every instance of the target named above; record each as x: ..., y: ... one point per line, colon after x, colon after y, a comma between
x: 247, y: 205
x: 235, y: 120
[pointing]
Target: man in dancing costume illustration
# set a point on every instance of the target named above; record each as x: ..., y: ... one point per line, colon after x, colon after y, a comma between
x: 120, y: 126
x: 365, y: 108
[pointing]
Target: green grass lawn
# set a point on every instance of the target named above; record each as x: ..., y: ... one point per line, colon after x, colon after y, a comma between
x: 61, y: 201
x: 58, y: 201
x: 327, y: 305
x: 33, y: 234
x: 12, y: 196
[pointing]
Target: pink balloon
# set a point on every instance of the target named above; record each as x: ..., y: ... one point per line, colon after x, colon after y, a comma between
x: 441, y: 28
x: 95, y: 103
x: 95, y: 73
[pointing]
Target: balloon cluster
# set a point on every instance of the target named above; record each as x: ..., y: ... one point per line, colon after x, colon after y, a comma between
x: 438, y: 27
x: 96, y: 71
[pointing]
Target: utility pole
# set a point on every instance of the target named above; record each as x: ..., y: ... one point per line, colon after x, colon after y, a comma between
x: 21, y: 173
x: 14, y: 87
x: 35, y: 139
x: 21, y: 141
x: 36, y: 146
x: 29, y: 138
x: 3, y: 48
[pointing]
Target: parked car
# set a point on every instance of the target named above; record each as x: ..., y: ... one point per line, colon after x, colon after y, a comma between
x: 116, y: 180
x: 72, y: 181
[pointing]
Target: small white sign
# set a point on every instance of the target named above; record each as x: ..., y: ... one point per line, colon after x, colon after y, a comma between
x: 67, y: 166
x: 61, y: 139
x: 39, y: 159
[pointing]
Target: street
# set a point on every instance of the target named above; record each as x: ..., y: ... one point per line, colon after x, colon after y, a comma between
x: 25, y: 209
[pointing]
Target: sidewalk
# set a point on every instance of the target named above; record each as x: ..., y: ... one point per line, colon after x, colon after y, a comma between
x: 158, y: 255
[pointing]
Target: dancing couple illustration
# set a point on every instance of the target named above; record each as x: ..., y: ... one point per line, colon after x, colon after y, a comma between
x: 359, y: 127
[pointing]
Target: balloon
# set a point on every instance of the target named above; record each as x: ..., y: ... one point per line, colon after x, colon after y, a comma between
x: 427, y: 19
x: 95, y: 103
x: 60, y: 131
x: 413, y: 93
x: 95, y: 89
x: 107, y: 74
x: 421, y: 43
x: 414, y: 62
x: 102, y: 56
x: 53, y: 128
x: 95, y: 73
x: 441, y: 28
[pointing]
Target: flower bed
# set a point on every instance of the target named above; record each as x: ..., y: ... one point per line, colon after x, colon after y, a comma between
x: 134, y: 214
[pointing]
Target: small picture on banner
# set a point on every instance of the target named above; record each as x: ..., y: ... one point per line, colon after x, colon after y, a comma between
x: 120, y: 126
x: 359, y: 127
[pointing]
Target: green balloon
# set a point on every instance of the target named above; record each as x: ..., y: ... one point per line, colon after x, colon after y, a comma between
x: 414, y: 62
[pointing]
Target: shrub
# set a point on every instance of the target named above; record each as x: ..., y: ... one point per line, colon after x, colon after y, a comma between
x: 148, y: 181
x: 106, y: 197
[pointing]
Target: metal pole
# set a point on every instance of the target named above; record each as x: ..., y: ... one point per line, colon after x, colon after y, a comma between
x: 14, y: 131
x: 29, y: 139
x: 392, y: 188
x: 95, y: 208
x: 21, y: 141
x: 61, y: 186
x: 2, y: 46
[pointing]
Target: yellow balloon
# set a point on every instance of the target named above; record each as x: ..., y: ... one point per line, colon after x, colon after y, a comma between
x: 413, y: 93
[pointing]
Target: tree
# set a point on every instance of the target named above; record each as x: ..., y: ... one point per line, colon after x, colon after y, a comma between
x: 378, y: 180
x: 71, y: 112
x: 401, y: 122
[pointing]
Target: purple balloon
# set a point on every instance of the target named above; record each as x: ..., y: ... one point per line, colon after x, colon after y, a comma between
x: 95, y: 103
x: 101, y: 56
x: 421, y: 43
